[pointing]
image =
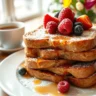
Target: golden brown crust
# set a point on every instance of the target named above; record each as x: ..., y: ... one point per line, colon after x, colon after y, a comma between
x: 82, y: 70
x: 40, y: 39
x: 45, y: 75
x: 61, y: 54
x: 83, y: 83
x: 78, y: 70
x: 38, y: 63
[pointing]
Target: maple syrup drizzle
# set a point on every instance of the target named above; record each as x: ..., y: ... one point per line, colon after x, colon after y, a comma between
x: 48, y: 89
x: 37, y: 81
x: 27, y: 76
x: 22, y: 64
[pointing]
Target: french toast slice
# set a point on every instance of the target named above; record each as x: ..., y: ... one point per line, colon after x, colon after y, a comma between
x: 61, y: 54
x: 79, y: 70
x: 84, y: 82
x: 38, y: 63
x: 40, y: 39
x: 45, y: 75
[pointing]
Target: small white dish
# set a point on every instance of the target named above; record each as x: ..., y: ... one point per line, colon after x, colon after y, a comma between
x: 12, y: 49
x: 11, y: 85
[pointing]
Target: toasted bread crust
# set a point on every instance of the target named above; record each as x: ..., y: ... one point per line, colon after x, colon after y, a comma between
x: 45, y: 75
x: 37, y: 63
x: 82, y: 70
x: 40, y: 39
x: 83, y: 83
x: 61, y: 54
x: 79, y: 70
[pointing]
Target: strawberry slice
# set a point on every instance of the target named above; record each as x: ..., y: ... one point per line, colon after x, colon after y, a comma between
x: 48, y: 18
x: 85, y: 20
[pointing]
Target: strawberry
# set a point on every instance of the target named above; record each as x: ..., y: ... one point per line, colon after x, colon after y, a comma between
x: 66, y: 13
x: 48, y: 18
x: 85, y: 20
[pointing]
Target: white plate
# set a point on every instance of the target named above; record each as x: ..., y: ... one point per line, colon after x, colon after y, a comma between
x: 11, y: 85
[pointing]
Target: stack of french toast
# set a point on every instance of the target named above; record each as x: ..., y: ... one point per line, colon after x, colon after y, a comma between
x: 56, y: 57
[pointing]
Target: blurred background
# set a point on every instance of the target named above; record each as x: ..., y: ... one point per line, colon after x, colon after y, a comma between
x: 34, y: 10
x: 24, y: 10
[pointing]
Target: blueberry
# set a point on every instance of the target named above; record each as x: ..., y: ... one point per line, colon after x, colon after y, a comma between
x: 22, y: 71
x: 56, y: 15
x: 78, y: 30
x: 78, y: 23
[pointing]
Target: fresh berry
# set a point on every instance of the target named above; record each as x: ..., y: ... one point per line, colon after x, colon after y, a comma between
x: 78, y: 23
x: 73, y: 15
x: 22, y: 71
x: 56, y: 15
x: 48, y: 18
x: 63, y: 86
x: 65, y: 26
x: 85, y: 20
x: 51, y: 27
x: 78, y: 30
x: 66, y: 13
x: 74, y: 20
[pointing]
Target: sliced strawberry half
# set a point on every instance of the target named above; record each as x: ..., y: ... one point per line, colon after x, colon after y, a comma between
x: 48, y: 18
x: 85, y: 20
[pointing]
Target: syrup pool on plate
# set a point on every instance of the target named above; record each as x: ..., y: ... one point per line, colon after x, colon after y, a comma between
x: 49, y: 89
x: 46, y: 88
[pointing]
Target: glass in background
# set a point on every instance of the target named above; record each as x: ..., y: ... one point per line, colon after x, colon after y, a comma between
x: 1, y: 12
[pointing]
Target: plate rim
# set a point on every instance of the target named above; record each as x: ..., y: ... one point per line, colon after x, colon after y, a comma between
x: 13, y: 49
x: 22, y: 91
x: 1, y: 85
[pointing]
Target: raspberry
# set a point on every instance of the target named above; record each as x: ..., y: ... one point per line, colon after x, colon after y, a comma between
x: 63, y: 86
x: 51, y: 27
x: 48, y: 18
x: 66, y: 13
x: 65, y: 27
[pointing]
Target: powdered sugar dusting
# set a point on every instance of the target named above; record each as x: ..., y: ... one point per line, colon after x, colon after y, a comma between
x: 42, y: 34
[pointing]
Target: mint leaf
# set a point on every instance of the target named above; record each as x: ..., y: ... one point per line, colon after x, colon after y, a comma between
x: 74, y: 3
x: 56, y: 1
x: 82, y: 1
